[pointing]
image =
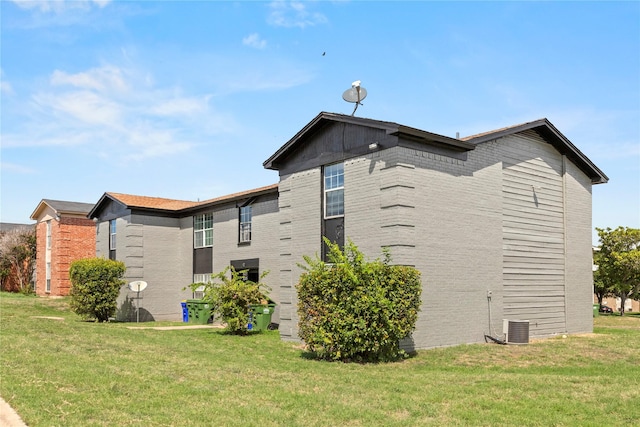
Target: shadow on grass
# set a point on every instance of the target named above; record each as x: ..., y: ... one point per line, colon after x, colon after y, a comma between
x: 314, y: 356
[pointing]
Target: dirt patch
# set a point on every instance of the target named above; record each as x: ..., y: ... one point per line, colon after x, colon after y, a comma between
x: 48, y: 317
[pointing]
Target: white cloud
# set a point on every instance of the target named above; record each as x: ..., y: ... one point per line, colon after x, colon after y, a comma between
x: 101, y: 79
x: 5, y: 86
x: 84, y: 106
x: 294, y: 14
x: 117, y: 111
x: 254, y: 40
x: 59, y: 6
x: 10, y: 167
x: 181, y: 106
x: 147, y: 142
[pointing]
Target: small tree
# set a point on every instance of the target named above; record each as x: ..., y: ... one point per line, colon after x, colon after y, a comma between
x: 17, y: 257
x: 619, y: 262
x: 601, y: 288
x: 230, y: 296
x: 354, y: 310
x: 95, y: 286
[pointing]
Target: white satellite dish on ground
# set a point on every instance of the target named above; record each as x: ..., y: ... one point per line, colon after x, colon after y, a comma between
x: 355, y: 94
x: 137, y: 286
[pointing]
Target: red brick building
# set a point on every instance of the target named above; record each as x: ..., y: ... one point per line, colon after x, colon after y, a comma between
x: 64, y: 234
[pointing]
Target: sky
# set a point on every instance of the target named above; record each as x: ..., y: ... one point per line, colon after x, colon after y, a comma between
x: 187, y: 99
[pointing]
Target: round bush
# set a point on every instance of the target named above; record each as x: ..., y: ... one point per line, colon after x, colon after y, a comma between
x: 354, y: 310
x: 95, y: 286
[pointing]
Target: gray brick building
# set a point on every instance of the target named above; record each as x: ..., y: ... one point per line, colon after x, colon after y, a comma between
x: 499, y: 224
x: 172, y: 243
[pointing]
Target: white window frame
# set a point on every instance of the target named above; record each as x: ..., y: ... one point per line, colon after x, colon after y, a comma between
x: 47, y: 286
x: 49, y: 234
x: 203, y: 235
x: 198, y: 293
x: 333, y: 183
x: 112, y: 235
x: 246, y: 217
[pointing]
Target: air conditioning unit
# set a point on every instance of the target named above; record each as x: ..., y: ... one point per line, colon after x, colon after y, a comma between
x: 516, y: 331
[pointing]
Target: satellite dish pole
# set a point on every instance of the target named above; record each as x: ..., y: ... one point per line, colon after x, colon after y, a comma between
x: 355, y: 94
x: 137, y: 286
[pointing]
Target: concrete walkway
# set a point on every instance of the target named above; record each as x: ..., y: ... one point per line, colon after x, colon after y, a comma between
x: 175, y: 328
x: 9, y: 417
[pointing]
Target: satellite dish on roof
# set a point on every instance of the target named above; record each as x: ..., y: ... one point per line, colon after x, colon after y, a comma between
x: 356, y: 94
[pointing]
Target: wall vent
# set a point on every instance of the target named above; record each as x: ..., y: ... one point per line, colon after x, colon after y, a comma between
x: 516, y: 331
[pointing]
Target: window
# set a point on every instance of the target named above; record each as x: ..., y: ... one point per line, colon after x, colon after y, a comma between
x: 202, y: 278
x: 245, y: 224
x: 334, y: 190
x: 203, y: 230
x: 112, y: 235
x: 198, y: 293
x: 49, y: 234
x: 48, y: 277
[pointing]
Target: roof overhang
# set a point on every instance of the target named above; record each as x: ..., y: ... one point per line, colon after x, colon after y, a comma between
x: 553, y: 136
x: 431, y: 138
x: 143, y: 204
x: 393, y: 129
x: 60, y: 208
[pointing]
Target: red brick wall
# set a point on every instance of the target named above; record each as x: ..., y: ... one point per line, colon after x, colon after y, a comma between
x: 71, y: 239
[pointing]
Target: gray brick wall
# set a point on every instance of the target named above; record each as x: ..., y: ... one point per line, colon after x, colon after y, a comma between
x: 264, y: 242
x: 300, y: 231
x: 414, y: 203
x: 152, y: 249
x: 456, y: 215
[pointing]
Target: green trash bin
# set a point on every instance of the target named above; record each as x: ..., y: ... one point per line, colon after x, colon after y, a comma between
x: 199, y: 311
x: 596, y: 310
x: 260, y: 315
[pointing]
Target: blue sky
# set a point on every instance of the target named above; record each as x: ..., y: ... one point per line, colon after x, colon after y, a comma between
x: 185, y: 100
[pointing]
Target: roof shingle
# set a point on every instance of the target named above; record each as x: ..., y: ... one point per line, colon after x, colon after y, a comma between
x: 151, y: 202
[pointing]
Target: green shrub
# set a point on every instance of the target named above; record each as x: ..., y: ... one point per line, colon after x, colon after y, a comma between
x: 230, y: 297
x: 95, y: 286
x: 354, y: 310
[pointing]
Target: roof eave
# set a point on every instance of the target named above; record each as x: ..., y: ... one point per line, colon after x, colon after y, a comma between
x: 557, y: 139
x: 271, y: 162
x: 390, y: 128
x: 430, y: 138
x: 222, y: 200
x: 98, y: 206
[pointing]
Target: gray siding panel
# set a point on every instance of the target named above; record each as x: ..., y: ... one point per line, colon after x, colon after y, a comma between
x: 533, y: 234
x: 579, y: 275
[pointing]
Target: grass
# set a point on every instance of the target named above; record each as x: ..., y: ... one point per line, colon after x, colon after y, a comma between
x: 74, y: 373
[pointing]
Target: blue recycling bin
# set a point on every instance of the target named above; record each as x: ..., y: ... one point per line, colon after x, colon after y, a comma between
x: 185, y: 312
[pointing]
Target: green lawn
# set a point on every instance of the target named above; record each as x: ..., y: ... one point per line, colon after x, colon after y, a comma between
x: 74, y: 373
